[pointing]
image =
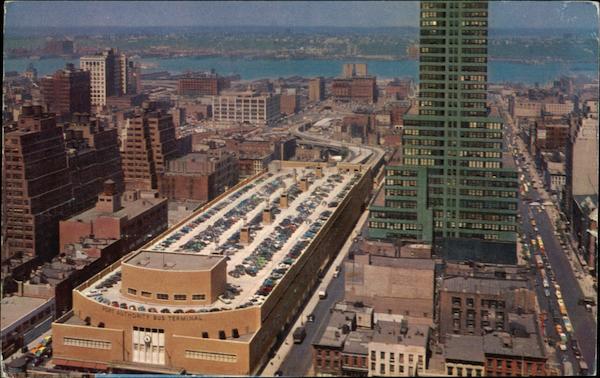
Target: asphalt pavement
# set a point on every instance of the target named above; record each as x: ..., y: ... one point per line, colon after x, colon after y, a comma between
x: 584, y: 324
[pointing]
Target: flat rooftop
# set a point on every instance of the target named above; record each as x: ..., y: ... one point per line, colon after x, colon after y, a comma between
x: 392, y: 333
x: 481, y: 285
x: 14, y: 308
x: 130, y: 209
x: 464, y: 348
x: 253, y: 268
x: 173, y: 261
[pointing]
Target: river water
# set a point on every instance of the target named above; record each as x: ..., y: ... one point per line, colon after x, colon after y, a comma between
x: 250, y: 69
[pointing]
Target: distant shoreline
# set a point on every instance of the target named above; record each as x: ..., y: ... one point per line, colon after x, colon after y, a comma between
x: 332, y: 57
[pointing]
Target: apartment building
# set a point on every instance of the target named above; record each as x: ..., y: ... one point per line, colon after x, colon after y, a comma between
x: 108, y: 73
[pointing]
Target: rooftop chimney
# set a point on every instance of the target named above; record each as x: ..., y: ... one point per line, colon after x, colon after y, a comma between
x: 245, y: 235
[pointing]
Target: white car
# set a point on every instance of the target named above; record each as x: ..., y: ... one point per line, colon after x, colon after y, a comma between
x: 562, y: 346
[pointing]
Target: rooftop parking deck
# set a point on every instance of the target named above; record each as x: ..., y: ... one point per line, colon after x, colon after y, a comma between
x: 253, y: 268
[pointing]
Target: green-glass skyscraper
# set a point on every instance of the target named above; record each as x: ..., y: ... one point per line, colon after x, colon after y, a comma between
x: 452, y: 183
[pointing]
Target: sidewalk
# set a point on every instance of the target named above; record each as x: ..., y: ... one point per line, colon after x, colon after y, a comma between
x: 274, y: 364
x: 586, y: 283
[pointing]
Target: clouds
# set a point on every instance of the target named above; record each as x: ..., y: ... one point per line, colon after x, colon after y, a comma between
x: 504, y: 14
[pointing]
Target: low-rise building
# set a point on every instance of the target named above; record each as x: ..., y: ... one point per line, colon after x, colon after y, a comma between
x: 398, y: 349
x: 464, y: 356
x: 473, y: 305
x: 360, y: 89
x: 328, y: 347
x: 199, y: 176
x: 390, y: 283
x: 133, y: 217
x: 355, y: 354
x: 252, y: 164
x: 23, y: 319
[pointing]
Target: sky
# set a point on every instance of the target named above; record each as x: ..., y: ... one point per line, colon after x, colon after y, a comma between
x: 503, y: 14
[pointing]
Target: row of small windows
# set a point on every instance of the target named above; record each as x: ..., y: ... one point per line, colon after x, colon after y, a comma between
x: 86, y: 343
x: 488, y: 193
x: 162, y: 296
x: 406, y: 172
x: 211, y: 356
x: 488, y: 205
x: 422, y: 161
x: 397, y: 182
x: 394, y: 215
x: 395, y: 226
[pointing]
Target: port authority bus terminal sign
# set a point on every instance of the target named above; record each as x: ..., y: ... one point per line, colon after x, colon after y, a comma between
x: 152, y: 315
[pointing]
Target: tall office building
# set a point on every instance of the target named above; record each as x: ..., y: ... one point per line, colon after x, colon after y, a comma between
x: 148, y: 144
x: 37, y: 185
x: 108, y: 72
x: 67, y: 91
x: 93, y: 157
x: 316, y: 89
x: 452, y: 183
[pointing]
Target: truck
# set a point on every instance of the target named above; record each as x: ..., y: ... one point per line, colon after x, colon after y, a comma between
x: 538, y: 262
x: 336, y: 273
x: 562, y: 308
x: 299, y: 335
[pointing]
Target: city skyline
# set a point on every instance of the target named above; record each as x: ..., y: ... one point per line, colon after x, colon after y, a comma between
x: 358, y: 189
x: 505, y: 14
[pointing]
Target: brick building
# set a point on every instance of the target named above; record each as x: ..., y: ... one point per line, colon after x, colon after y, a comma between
x: 390, y: 284
x: 252, y: 164
x: 149, y: 142
x: 551, y: 133
x: 328, y: 347
x: 93, y: 157
x: 398, y: 89
x: 76, y: 263
x: 316, y: 89
x: 133, y: 217
x: 355, y: 354
x: 36, y: 185
x: 288, y: 102
x: 361, y: 89
x: 204, y: 85
x: 67, y: 91
x: 472, y: 305
x: 199, y: 176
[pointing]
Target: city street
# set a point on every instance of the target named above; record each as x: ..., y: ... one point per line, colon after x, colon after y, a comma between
x: 295, y: 359
x: 561, y: 271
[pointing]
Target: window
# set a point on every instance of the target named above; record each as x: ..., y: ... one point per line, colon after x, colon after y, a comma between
x: 162, y: 296
x: 180, y: 297
x: 210, y: 356
x: 131, y: 291
x: 382, y: 355
x: 85, y: 343
x: 391, y: 368
x: 373, y: 355
x: 146, y: 294
x: 382, y: 369
x: 198, y: 297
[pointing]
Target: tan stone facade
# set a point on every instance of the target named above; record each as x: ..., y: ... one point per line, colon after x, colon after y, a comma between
x: 227, y: 341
